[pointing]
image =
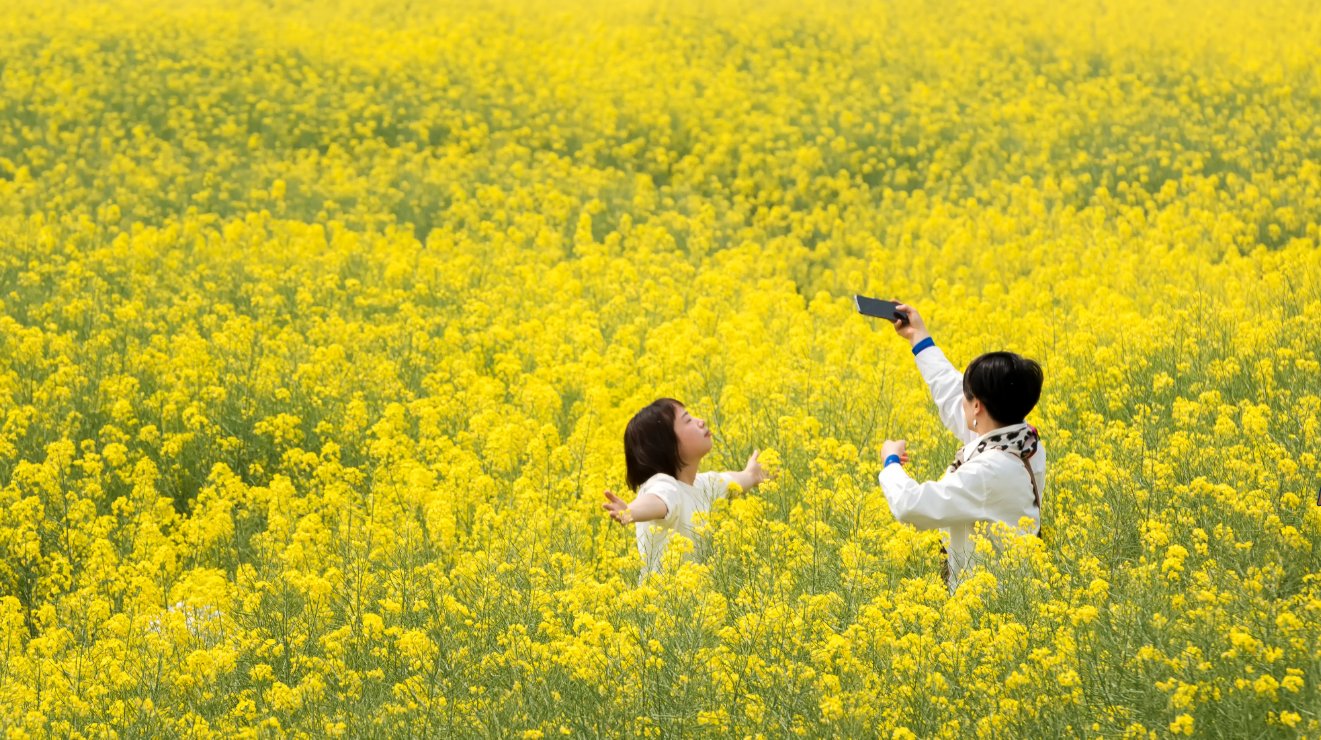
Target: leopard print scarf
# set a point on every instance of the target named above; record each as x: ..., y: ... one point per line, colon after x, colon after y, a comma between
x: 1020, y: 440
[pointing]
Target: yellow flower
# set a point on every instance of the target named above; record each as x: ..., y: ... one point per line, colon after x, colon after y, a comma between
x: 1266, y: 685
x: 1182, y: 725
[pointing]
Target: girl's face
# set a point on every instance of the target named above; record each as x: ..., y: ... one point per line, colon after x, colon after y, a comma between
x: 694, y: 437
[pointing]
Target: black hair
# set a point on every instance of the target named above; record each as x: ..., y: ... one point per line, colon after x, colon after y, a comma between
x: 1007, y: 384
x: 650, y: 444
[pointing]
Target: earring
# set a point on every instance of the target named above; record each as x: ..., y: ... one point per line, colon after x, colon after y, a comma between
x: 974, y: 423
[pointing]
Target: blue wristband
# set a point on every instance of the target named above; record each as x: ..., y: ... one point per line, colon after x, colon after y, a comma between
x: 928, y: 342
x: 891, y: 459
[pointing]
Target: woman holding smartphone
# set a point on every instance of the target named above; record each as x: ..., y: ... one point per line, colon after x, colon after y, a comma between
x: 998, y: 475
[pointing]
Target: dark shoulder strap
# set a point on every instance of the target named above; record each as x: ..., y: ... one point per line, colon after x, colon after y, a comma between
x: 1036, y: 494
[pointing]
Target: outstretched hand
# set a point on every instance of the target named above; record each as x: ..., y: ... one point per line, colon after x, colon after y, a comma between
x: 617, y: 508
x: 756, y: 474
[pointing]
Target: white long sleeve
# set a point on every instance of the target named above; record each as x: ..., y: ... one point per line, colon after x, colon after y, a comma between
x: 989, y: 487
x: 959, y: 496
x: 946, y: 384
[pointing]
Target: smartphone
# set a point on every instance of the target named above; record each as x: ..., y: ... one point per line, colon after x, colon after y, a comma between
x: 887, y: 310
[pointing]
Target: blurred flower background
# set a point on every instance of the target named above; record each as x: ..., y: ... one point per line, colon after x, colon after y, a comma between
x: 320, y: 324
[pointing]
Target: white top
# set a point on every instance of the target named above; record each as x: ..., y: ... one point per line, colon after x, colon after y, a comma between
x: 683, y: 501
x: 992, y: 486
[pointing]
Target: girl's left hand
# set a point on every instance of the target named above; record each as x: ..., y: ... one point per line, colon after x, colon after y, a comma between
x: 754, y: 469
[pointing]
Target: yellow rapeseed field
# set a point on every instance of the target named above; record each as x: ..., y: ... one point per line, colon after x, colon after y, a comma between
x: 320, y: 324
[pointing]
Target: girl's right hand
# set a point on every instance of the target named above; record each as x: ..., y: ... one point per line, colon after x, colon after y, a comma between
x: 618, y: 508
x: 915, y: 329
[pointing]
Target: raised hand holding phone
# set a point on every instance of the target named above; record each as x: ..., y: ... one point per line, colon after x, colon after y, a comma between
x: 911, y: 327
x: 907, y: 322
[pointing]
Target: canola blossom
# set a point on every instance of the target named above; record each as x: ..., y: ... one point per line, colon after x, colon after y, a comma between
x: 320, y: 324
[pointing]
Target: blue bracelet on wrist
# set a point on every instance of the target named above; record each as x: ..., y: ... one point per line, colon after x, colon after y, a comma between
x: 928, y: 342
x: 891, y: 459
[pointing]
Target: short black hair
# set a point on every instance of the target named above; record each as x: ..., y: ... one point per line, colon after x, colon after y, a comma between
x: 1007, y: 384
x: 650, y: 444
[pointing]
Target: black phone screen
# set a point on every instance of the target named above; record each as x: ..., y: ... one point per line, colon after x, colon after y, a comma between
x: 880, y: 309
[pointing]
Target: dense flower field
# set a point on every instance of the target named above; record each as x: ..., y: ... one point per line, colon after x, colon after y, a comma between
x: 320, y: 324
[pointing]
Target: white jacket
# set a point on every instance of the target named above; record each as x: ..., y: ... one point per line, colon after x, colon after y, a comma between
x: 992, y: 486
